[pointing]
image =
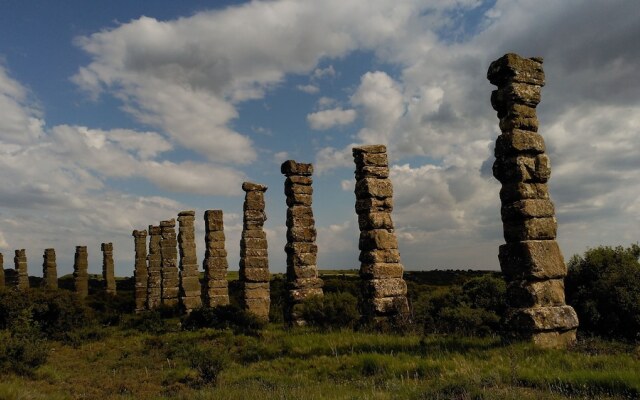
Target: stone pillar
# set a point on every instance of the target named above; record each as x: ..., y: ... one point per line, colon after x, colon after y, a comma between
x: 216, y: 287
x: 190, y: 290
x: 108, y: 273
x: 254, y: 260
x: 169, y: 262
x: 49, y: 270
x: 301, y: 249
x: 2, y: 282
x: 21, y: 274
x: 140, y: 273
x: 531, y: 260
x: 154, y: 269
x: 384, y: 289
x: 80, y: 272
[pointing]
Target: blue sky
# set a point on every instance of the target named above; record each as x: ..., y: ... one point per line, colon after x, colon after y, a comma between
x: 115, y: 115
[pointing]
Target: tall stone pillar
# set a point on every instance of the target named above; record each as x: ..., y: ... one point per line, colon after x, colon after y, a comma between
x: 49, y: 270
x: 190, y: 290
x: 384, y: 289
x: 108, y: 273
x: 140, y: 273
x: 301, y: 248
x: 169, y: 255
x: 2, y: 282
x: 531, y: 260
x: 21, y: 270
x: 154, y: 269
x: 216, y: 287
x: 254, y: 260
x: 80, y: 272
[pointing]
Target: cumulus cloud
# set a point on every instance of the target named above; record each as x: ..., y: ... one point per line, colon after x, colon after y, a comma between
x: 327, y: 119
x: 310, y: 89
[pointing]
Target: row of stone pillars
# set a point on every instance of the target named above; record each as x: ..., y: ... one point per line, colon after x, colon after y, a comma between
x: 19, y: 276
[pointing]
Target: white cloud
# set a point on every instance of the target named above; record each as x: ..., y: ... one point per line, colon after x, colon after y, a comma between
x: 310, y: 89
x: 327, y: 119
x: 320, y: 73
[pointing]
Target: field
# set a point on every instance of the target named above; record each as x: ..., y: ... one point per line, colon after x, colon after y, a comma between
x: 304, y: 364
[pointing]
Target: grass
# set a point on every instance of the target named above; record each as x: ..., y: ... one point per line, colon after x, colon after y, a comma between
x: 306, y: 364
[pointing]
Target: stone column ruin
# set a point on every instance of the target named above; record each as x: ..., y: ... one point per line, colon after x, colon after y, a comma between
x: 216, y: 287
x: 140, y: 273
x: 169, y: 262
x: 254, y: 261
x: 384, y: 289
x: 49, y: 269
x: 190, y: 290
x: 21, y: 275
x: 80, y: 274
x: 154, y: 269
x: 108, y: 273
x: 531, y: 261
x: 301, y: 248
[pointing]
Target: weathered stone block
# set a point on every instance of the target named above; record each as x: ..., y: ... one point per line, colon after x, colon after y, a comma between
x: 522, y: 168
x: 515, y: 93
x: 390, y: 287
x: 296, y: 199
x: 299, y: 180
x: 390, y: 305
x: 381, y: 270
x: 371, y: 159
x: 561, y: 318
x: 298, y: 189
x: 374, y: 205
x: 250, y: 187
x: 530, y: 208
x: 377, y: 239
x: 374, y: 148
x: 530, y: 229
x: 252, y: 243
x: 512, y: 67
x: 254, y: 262
x: 290, y: 167
x: 534, y: 259
x: 305, y: 283
x: 256, y: 290
x: 380, y: 256
x: 372, y: 172
x: 373, y: 187
x: 517, y: 142
x: 301, y: 234
x: 299, y: 295
x: 520, y: 191
x: 301, y: 272
x: 297, y: 259
x: 523, y: 294
x: 375, y: 220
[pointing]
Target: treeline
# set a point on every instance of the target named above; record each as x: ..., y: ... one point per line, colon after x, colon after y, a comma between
x: 603, y: 285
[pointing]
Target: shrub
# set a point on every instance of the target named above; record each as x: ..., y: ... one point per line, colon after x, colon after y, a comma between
x: 148, y: 321
x: 604, y: 288
x: 109, y: 308
x: 22, y: 347
x: 208, y: 363
x: 333, y: 310
x: 223, y: 317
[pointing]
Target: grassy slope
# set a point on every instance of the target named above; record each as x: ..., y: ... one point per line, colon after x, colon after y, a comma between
x: 339, y: 365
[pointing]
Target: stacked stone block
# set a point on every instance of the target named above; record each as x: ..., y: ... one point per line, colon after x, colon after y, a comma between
x: 140, y: 273
x: 169, y: 262
x: 2, y: 282
x: 49, y: 270
x: 108, y: 273
x: 154, y: 269
x: 21, y: 274
x: 190, y: 290
x: 80, y: 272
x: 216, y: 287
x: 384, y: 289
x: 254, y: 261
x: 301, y: 248
x: 531, y: 260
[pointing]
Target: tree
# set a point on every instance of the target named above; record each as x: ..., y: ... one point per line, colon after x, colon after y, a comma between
x: 604, y: 288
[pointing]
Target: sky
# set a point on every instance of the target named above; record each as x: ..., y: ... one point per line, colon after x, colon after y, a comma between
x: 117, y: 114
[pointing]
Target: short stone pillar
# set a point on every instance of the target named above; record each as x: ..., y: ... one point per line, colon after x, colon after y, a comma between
x: 216, y: 288
x: 254, y: 260
x: 108, y: 273
x: 80, y: 272
x: 384, y: 289
x: 49, y: 269
x: 2, y: 278
x: 169, y: 255
x: 154, y: 269
x: 140, y: 273
x: 190, y: 290
x: 301, y: 248
x: 531, y: 260
x: 21, y: 274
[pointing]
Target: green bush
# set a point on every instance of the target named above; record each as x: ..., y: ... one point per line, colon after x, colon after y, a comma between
x: 333, y: 310
x: 148, y: 321
x: 22, y: 347
x: 223, y: 317
x: 208, y: 363
x: 108, y: 308
x: 604, y: 288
